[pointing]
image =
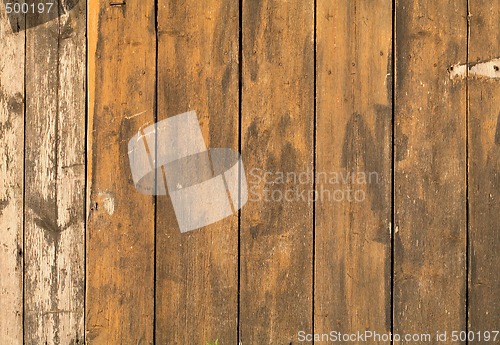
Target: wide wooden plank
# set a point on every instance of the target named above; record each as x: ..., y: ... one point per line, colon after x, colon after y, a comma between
x: 197, y: 271
x: 277, y: 137
x: 484, y: 170
x: 354, y: 164
x: 55, y: 179
x: 120, y: 220
x: 11, y: 179
x: 430, y: 168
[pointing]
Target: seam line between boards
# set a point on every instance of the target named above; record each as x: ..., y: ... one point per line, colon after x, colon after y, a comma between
x: 467, y: 204
x: 240, y: 126
x: 393, y: 166
x: 315, y: 137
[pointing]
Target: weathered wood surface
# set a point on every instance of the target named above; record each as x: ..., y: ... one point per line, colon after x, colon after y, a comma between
x: 430, y: 168
x: 55, y: 180
x: 484, y: 169
x: 197, y: 272
x: 283, y: 266
x: 120, y: 221
x: 354, y: 139
x: 11, y: 181
x: 277, y: 136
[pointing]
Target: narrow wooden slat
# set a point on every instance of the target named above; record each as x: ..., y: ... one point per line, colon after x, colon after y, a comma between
x: 11, y: 180
x: 430, y: 168
x: 120, y: 220
x: 277, y: 136
x: 484, y: 171
x: 55, y: 180
x: 354, y: 162
x: 197, y: 272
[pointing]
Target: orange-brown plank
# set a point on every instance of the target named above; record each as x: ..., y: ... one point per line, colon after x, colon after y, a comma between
x: 430, y: 168
x: 277, y: 136
x: 197, y: 275
x: 354, y: 164
x: 484, y: 171
x: 120, y: 228
x: 55, y: 177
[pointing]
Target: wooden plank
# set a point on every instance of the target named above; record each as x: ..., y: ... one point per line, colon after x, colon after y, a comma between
x: 430, y: 168
x: 120, y: 228
x: 11, y: 180
x: 197, y: 272
x: 353, y: 216
x: 277, y: 136
x: 484, y: 171
x: 55, y: 179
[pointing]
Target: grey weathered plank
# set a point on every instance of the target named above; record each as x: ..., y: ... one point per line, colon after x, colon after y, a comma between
x: 484, y: 170
x: 55, y: 179
x: 430, y: 168
x: 120, y: 220
x: 11, y: 180
x: 197, y: 272
x: 277, y: 136
x: 354, y: 129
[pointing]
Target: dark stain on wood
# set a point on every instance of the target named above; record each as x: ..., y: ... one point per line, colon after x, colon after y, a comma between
x: 497, y: 133
x: 404, y: 20
x: 46, y: 218
x: 253, y: 21
x: 3, y: 204
x: 361, y: 154
x: 401, y: 149
x: 16, y: 104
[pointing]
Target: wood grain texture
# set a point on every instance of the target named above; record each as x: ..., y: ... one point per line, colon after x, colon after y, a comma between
x: 287, y: 264
x: 197, y: 272
x: 277, y: 136
x: 120, y: 220
x: 354, y: 135
x: 11, y: 180
x: 55, y: 180
x: 484, y: 170
x: 430, y: 168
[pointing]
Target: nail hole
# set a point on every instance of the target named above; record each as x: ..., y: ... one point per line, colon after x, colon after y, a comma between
x: 496, y: 68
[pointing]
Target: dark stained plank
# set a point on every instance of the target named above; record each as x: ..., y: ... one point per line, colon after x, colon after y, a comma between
x: 11, y: 179
x: 484, y: 170
x: 277, y: 136
x: 197, y: 271
x: 430, y: 168
x: 120, y: 228
x: 354, y: 140
x: 55, y: 179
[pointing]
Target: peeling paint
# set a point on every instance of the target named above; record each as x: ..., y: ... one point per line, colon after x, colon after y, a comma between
x: 489, y: 69
x: 107, y: 200
x: 135, y: 115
